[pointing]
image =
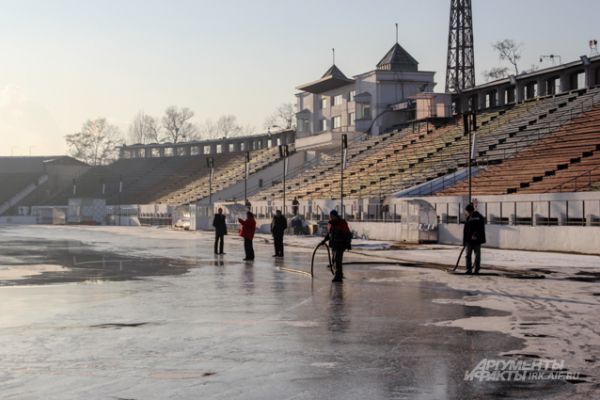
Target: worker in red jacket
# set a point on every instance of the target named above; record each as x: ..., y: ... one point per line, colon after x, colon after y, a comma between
x: 247, y: 232
x: 339, y: 237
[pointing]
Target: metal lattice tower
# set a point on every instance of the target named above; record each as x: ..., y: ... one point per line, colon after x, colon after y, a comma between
x: 460, y: 71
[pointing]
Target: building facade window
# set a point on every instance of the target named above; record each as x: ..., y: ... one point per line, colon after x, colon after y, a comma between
x: 304, y: 125
x: 231, y: 147
x: 351, y: 95
x: 323, y: 126
x: 323, y: 103
x: 206, y: 149
x: 351, y: 119
x: 364, y: 111
x: 337, y: 122
x: 337, y: 100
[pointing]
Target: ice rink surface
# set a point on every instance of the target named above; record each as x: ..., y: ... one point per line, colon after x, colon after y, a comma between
x: 147, y: 313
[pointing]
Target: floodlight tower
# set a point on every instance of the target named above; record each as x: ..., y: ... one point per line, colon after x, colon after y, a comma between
x: 460, y: 70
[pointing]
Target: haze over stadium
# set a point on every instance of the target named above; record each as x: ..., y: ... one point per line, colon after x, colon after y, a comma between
x: 65, y: 62
x: 310, y: 200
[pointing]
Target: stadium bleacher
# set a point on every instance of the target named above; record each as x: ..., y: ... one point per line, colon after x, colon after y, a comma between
x: 382, y: 165
x: 229, y: 170
x: 171, y: 180
x: 538, y: 162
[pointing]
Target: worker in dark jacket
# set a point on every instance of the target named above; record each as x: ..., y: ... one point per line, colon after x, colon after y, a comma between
x: 473, y: 237
x: 220, y: 230
x: 278, y: 227
x: 247, y: 232
x: 295, y: 206
x: 339, y: 237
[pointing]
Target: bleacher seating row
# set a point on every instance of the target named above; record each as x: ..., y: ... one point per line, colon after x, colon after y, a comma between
x: 172, y: 180
x: 546, y: 164
x: 229, y: 170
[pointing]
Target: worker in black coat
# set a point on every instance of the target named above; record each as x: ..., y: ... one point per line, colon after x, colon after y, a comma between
x: 473, y: 237
x: 278, y: 226
x: 220, y: 231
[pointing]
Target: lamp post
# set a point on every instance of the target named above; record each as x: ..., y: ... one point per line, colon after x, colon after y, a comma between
x: 120, y: 191
x: 246, y: 173
x: 470, y: 125
x: 210, y: 163
x: 284, y: 153
x: 343, y: 166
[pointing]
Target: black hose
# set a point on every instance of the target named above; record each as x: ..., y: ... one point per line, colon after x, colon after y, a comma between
x: 312, y: 261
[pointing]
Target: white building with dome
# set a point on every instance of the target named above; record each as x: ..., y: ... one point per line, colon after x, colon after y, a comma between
x: 372, y: 102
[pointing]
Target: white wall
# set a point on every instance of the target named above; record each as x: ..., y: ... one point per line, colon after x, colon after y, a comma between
x: 539, y: 238
x: 19, y: 220
x: 401, y: 232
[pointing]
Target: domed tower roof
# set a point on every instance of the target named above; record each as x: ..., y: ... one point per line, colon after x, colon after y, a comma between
x: 397, y: 59
x: 332, y: 78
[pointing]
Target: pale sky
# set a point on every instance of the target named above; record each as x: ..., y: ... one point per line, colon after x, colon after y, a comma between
x: 62, y: 62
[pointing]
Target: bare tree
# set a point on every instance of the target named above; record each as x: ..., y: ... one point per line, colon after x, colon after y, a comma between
x: 286, y: 114
x: 509, y: 50
x: 282, y: 117
x: 270, y: 121
x: 495, y: 73
x: 227, y: 126
x: 144, y: 129
x: 177, y: 125
x: 96, y: 143
x: 248, y: 129
x: 207, y: 130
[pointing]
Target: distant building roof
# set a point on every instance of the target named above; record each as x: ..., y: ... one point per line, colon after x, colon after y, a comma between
x: 34, y: 163
x: 333, y: 78
x: 398, y: 59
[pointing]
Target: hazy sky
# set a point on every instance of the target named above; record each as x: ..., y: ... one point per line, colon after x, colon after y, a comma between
x: 62, y: 62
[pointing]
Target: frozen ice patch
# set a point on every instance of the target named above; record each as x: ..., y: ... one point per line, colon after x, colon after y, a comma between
x: 15, y: 272
x: 302, y: 324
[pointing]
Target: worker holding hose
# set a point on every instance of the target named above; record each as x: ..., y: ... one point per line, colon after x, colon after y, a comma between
x: 340, y: 240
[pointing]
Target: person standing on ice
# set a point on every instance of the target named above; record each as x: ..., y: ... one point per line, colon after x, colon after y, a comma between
x: 220, y: 231
x: 278, y: 226
x: 473, y: 237
x: 247, y: 232
x: 340, y: 238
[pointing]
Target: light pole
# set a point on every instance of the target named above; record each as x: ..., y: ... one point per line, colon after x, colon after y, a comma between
x: 470, y: 125
x: 246, y: 173
x: 210, y: 163
x: 467, y: 131
x: 120, y: 191
x: 284, y: 153
x: 343, y: 166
